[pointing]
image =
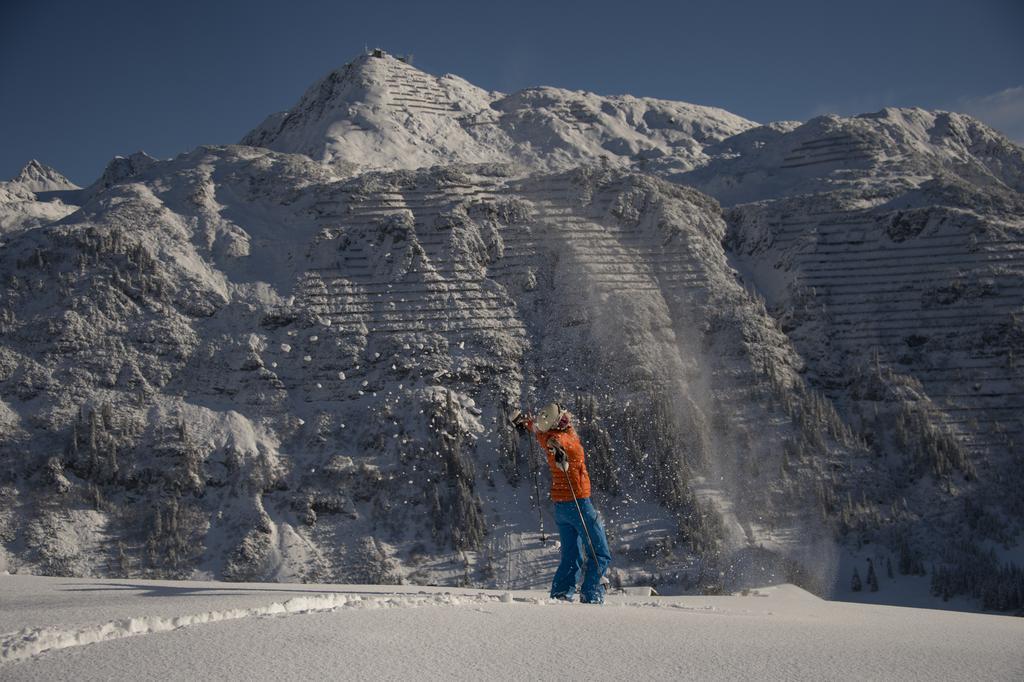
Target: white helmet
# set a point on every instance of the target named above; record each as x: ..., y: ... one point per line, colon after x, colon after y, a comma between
x: 552, y: 416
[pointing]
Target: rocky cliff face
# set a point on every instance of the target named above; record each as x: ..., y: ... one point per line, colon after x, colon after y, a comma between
x: 291, y: 359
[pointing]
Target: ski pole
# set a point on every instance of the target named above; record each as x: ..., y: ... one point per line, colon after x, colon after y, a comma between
x: 536, y: 488
x: 535, y: 472
x: 579, y: 511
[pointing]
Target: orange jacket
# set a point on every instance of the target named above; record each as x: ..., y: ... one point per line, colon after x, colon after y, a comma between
x: 570, y: 443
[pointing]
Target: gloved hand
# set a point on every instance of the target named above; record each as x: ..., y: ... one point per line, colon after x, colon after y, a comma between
x: 519, y: 419
x: 561, y: 459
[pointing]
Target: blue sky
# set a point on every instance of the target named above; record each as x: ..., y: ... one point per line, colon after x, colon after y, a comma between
x: 84, y: 81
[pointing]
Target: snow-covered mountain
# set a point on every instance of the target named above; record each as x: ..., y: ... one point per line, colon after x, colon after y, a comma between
x: 35, y: 196
x: 875, y: 153
x: 290, y: 359
x: 37, y: 177
x: 889, y: 247
x: 383, y: 113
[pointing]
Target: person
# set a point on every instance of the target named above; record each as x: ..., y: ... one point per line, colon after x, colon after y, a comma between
x: 583, y: 541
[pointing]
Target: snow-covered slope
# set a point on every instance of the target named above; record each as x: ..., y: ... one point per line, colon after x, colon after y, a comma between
x: 380, y: 112
x: 315, y: 372
x: 96, y: 629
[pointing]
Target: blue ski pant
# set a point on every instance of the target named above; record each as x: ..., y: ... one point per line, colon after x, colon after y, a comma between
x: 577, y: 555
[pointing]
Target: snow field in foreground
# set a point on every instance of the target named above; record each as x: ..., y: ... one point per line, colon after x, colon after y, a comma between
x: 270, y: 631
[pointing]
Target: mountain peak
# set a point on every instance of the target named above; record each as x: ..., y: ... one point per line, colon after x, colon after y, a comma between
x: 38, y: 177
x: 120, y: 168
x: 375, y: 111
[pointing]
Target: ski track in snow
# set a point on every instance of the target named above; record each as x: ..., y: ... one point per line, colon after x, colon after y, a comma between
x: 31, y: 642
